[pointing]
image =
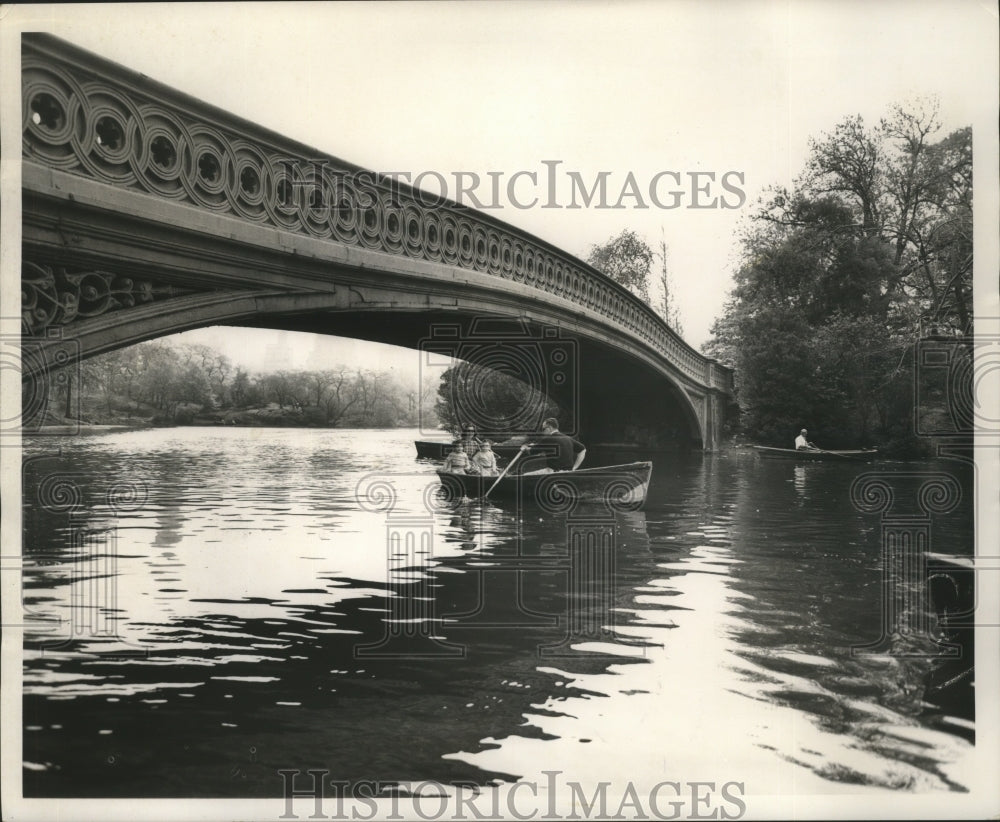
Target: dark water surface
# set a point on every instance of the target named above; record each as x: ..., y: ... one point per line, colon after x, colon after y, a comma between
x: 207, y: 606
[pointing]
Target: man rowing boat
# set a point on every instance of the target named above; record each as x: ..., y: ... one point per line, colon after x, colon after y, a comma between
x: 553, y: 451
x: 802, y: 444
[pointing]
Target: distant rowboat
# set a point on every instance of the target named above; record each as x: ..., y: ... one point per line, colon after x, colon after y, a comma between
x: 614, y: 485
x: 818, y: 454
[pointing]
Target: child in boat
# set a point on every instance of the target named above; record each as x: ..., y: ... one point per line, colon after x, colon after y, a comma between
x: 457, y: 462
x: 484, y: 462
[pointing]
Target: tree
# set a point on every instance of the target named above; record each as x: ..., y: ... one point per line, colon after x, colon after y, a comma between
x: 214, y: 366
x: 284, y: 388
x: 318, y: 382
x: 426, y: 400
x: 667, y: 307
x: 189, y: 385
x: 338, y: 396
x: 898, y: 189
x: 496, y: 403
x: 839, y: 274
x: 370, y: 389
x: 627, y: 259
x: 105, y: 374
x: 158, y: 364
x: 240, y: 391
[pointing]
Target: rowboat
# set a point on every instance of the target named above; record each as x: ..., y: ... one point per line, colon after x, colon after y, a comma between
x: 796, y: 454
x: 614, y: 485
x: 432, y: 449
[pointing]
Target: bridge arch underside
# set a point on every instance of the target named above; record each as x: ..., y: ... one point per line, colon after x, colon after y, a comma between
x: 608, y: 393
x: 611, y: 390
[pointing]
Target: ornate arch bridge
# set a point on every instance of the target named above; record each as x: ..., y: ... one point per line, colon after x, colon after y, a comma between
x: 147, y: 212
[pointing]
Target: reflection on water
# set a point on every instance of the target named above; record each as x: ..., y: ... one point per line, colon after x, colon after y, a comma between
x: 208, y: 606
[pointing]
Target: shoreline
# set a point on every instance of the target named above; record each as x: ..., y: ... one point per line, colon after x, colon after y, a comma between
x: 84, y: 428
x: 104, y: 428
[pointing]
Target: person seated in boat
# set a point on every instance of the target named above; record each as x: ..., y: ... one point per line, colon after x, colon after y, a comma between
x: 469, y: 441
x: 457, y: 462
x: 552, y: 451
x: 802, y: 444
x: 484, y: 462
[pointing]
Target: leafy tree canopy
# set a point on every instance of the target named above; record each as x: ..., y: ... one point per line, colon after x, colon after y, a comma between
x: 498, y: 404
x: 839, y: 276
x: 627, y: 259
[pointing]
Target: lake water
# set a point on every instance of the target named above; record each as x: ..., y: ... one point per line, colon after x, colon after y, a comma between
x: 208, y: 606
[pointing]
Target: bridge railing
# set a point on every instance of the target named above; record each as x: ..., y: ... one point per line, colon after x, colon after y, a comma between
x: 87, y: 116
x: 720, y: 377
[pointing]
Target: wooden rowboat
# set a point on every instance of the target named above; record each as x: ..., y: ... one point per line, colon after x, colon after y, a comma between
x: 613, y: 485
x: 794, y: 454
x: 432, y: 449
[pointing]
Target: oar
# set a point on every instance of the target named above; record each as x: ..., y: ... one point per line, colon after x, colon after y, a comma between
x: 505, y: 470
x: 831, y: 453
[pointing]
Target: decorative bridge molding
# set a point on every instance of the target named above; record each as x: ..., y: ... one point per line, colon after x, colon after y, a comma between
x: 90, y: 118
x: 55, y: 296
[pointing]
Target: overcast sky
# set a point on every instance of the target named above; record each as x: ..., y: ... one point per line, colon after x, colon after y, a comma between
x: 638, y: 88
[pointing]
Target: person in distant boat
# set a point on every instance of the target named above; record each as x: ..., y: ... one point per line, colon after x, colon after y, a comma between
x: 470, y: 442
x: 802, y: 444
x: 484, y: 462
x: 457, y: 462
x: 553, y: 451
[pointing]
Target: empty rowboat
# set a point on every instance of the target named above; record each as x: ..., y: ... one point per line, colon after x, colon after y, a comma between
x: 432, y: 449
